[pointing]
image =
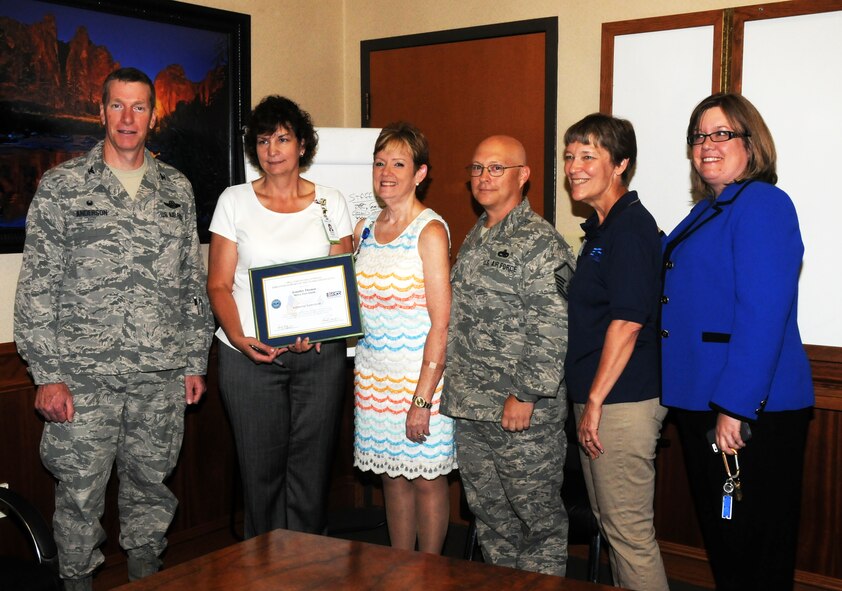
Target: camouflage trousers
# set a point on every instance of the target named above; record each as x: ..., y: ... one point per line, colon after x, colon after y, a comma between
x: 513, y: 485
x: 138, y: 420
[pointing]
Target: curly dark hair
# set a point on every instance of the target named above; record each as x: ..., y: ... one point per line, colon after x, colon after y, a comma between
x: 276, y: 111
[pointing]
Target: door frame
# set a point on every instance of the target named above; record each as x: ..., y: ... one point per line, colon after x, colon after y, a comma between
x: 548, y: 26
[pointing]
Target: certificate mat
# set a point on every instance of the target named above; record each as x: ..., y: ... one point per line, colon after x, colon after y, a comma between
x: 316, y: 298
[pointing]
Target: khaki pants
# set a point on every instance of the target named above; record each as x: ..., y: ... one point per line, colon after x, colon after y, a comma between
x: 621, y: 487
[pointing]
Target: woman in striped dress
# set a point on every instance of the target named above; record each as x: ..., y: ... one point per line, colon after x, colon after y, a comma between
x: 403, y: 267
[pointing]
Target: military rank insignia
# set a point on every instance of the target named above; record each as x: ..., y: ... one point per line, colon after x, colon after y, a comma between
x: 563, y: 273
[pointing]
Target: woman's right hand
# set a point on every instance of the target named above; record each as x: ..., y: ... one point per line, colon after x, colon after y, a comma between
x: 728, y: 436
x: 588, y: 430
x: 417, y: 424
x: 257, y: 351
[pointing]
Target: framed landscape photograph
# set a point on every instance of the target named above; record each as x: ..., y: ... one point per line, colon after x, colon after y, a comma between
x: 55, y: 57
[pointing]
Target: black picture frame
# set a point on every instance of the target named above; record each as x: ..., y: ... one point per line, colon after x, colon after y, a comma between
x: 49, y: 116
x: 350, y: 326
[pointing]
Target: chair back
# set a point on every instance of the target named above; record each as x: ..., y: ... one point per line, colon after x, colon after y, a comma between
x: 44, y: 575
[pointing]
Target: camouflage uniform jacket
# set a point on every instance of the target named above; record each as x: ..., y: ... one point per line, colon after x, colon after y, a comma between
x: 109, y: 284
x: 508, y: 320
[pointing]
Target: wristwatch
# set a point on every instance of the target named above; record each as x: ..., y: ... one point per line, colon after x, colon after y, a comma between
x: 421, y: 403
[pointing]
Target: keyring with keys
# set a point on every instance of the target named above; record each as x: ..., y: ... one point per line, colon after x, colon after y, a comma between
x: 731, y: 490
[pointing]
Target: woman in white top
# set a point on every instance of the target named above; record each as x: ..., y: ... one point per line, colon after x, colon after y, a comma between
x: 283, y: 403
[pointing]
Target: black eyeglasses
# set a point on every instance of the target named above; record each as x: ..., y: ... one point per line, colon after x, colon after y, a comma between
x: 723, y: 135
x: 493, y: 169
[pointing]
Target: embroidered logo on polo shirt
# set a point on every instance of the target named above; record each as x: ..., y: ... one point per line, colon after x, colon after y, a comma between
x: 596, y: 253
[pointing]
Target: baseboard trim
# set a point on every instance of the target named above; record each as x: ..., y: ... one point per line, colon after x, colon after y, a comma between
x: 690, y: 565
x: 686, y: 564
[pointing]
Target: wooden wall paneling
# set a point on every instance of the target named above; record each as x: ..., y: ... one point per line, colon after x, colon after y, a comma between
x: 819, y: 560
x: 207, y: 458
x: 826, y: 363
x: 820, y: 534
x: 346, y: 490
x: 203, y: 480
x: 677, y: 525
x: 20, y: 433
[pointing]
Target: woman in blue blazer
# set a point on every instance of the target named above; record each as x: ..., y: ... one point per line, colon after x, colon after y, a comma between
x: 732, y: 359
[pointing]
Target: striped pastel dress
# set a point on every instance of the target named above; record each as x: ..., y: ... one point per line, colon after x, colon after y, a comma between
x: 388, y: 359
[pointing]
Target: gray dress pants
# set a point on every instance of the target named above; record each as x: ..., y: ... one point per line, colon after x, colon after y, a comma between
x: 285, y: 420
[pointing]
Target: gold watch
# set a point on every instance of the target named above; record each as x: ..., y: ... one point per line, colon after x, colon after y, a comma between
x: 421, y: 403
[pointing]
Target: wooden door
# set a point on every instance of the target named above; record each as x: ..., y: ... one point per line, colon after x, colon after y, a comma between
x: 461, y: 86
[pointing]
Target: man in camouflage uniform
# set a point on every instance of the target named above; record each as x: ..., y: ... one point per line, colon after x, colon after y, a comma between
x: 505, y: 353
x: 112, y: 316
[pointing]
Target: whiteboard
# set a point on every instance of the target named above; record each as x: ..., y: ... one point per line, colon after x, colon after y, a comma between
x: 792, y: 72
x: 343, y: 161
x: 657, y: 82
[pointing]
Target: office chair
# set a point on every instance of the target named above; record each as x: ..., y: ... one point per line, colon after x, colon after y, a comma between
x: 583, y: 526
x: 18, y: 574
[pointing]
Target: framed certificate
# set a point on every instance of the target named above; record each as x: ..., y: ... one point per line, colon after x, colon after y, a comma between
x: 316, y: 298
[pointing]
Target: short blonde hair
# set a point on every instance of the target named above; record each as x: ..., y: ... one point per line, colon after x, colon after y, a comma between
x: 407, y: 134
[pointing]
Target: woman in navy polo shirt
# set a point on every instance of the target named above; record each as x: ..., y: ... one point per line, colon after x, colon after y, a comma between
x: 612, y: 359
x: 732, y: 353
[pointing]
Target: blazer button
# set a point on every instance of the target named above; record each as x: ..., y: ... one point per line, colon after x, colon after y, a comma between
x: 665, y: 333
x: 669, y: 264
x: 665, y: 300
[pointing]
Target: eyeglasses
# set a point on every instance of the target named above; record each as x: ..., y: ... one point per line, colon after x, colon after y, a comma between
x: 493, y: 169
x: 723, y: 135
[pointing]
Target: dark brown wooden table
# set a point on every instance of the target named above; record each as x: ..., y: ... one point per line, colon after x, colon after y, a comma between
x: 294, y: 561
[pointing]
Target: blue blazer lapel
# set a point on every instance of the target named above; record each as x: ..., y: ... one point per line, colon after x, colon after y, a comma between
x: 692, y: 223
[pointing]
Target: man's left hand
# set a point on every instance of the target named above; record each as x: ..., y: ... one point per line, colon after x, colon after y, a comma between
x: 516, y: 414
x: 194, y: 387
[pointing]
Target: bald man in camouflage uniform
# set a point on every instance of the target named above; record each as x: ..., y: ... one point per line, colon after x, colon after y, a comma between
x: 505, y: 353
x: 112, y: 316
